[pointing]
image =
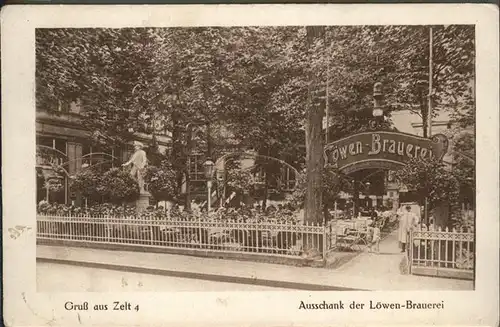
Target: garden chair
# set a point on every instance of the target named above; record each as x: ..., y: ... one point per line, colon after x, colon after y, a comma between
x: 351, y: 239
x: 382, y: 222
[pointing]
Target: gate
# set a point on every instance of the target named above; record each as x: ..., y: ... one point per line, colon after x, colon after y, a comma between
x: 441, y: 252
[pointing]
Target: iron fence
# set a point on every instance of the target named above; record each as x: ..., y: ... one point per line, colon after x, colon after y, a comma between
x: 441, y: 252
x: 269, y: 238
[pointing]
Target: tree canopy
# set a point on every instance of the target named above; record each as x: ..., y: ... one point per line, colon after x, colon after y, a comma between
x: 255, y: 83
x: 253, y: 78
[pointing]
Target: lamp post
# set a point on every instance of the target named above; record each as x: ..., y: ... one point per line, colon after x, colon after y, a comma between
x: 378, y: 98
x: 367, y: 190
x: 190, y: 145
x: 209, y: 168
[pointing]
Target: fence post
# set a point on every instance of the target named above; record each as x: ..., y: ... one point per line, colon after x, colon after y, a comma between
x: 324, y: 241
x: 151, y: 234
x: 106, y: 227
x: 409, y: 250
x: 200, y: 233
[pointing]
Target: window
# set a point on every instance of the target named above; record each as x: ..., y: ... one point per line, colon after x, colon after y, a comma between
x: 53, y: 143
x: 196, y: 170
x: 75, y: 107
x: 64, y: 106
x: 85, y: 149
x: 45, y: 141
x: 117, y: 156
x: 60, y: 145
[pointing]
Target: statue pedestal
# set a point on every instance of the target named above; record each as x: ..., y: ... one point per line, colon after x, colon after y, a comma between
x: 142, y: 203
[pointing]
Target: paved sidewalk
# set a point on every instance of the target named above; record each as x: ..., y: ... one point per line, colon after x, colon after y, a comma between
x: 385, y: 263
x: 374, y: 275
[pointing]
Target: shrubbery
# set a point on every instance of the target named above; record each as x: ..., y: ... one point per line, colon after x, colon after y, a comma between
x: 246, y: 214
x: 441, y: 185
x: 116, y: 185
x: 333, y: 183
x: 95, y: 210
x: 86, y: 182
x: 161, y: 182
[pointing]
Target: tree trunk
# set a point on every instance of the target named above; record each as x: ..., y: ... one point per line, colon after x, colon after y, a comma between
x: 314, y: 165
x: 187, y: 203
x: 326, y: 212
x: 355, y: 202
x: 177, y: 149
x: 424, y: 110
x: 313, y: 213
x: 266, y: 188
x: 209, y: 141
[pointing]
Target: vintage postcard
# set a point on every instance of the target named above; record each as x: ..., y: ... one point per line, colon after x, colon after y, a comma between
x: 257, y: 165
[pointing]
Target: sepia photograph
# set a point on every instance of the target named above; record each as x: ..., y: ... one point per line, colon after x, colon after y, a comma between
x: 264, y: 165
x: 307, y: 154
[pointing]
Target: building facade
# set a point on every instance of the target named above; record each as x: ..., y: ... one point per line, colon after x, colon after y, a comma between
x: 63, y: 141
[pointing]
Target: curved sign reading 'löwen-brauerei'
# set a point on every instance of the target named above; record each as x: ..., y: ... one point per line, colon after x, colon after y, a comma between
x: 387, y: 150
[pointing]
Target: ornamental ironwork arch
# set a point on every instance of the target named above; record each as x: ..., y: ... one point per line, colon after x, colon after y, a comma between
x: 248, y: 155
x: 62, y: 162
x: 48, y: 158
x: 101, y: 161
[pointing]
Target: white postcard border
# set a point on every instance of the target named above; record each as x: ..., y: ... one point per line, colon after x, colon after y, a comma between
x: 24, y: 306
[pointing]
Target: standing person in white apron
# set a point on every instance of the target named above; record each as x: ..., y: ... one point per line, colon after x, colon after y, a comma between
x: 407, y: 221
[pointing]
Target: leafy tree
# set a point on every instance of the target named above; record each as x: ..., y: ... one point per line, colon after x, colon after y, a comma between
x: 86, y: 182
x: 99, y: 68
x: 464, y: 165
x: 334, y: 182
x: 53, y: 181
x: 353, y: 62
x: 397, y: 56
x: 452, y: 69
x: 54, y: 184
x: 248, y: 74
x: 154, y: 155
x: 260, y: 83
x: 433, y: 180
x: 118, y: 186
x: 464, y: 148
x: 161, y: 182
x: 241, y: 181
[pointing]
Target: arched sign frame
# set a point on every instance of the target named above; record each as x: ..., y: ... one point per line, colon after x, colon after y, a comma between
x: 381, y: 150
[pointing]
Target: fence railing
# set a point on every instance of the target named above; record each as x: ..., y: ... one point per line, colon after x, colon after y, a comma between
x: 441, y: 252
x: 269, y: 238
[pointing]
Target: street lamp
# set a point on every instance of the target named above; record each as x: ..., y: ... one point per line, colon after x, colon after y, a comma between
x: 378, y: 97
x: 208, y: 165
x: 367, y: 190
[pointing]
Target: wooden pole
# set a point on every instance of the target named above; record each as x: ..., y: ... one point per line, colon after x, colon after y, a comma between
x: 209, y: 199
x: 429, y: 99
x: 327, y: 89
x: 187, y: 204
x: 327, y: 108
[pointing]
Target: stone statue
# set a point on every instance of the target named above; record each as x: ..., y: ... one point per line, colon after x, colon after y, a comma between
x: 138, y: 161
